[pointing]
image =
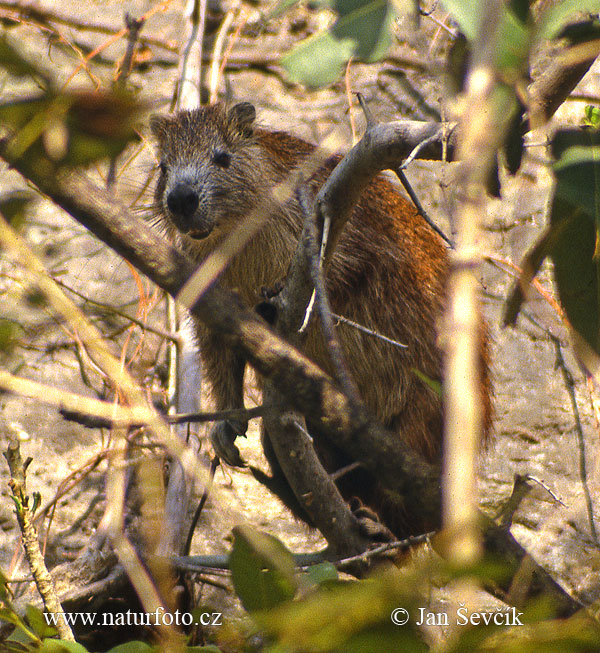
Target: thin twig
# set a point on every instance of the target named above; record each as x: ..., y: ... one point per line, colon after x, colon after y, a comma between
x: 133, y: 26
x: 107, y: 308
x: 232, y: 414
x: 43, y: 16
x: 211, y: 477
x: 415, y: 199
x: 113, y: 39
x: 401, y: 545
x: 336, y: 355
x: 416, y: 151
x: 191, y: 73
x: 349, y: 99
x: 364, y: 329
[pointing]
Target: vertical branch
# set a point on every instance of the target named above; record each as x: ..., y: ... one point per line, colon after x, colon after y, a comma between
x: 570, y: 386
x: 216, y: 68
x: 41, y: 575
x: 487, y: 107
x: 134, y: 27
x: 189, y: 89
x: 184, y: 371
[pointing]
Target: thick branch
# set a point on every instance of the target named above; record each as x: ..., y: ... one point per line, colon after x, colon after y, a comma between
x: 313, y: 487
x: 552, y: 87
x: 384, y: 146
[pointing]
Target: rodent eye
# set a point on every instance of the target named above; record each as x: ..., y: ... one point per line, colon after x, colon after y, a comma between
x: 162, y: 166
x: 221, y: 158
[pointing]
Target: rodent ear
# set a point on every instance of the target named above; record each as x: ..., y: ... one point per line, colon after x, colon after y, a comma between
x: 243, y: 115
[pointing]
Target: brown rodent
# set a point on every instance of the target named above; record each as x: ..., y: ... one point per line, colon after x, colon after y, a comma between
x: 388, y: 273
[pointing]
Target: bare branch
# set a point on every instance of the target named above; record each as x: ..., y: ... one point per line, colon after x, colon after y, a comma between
x: 41, y: 575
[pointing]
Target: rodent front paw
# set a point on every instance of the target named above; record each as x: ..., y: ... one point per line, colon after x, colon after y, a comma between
x: 222, y: 437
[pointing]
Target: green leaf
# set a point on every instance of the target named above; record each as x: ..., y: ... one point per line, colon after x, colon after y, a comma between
x: 72, y: 129
x: 318, y: 61
x: 362, y: 30
x: 13, y: 207
x: 511, y: 34
x: 35, y: 618
x: 577, y: 154
x: 432, y: 384
x: 571, y: 241
x: 350, y: 617
x: 324, y: 572
x: 4, y: 593
x: 554, y: 18
x: 61, y: 646
x: 592, y: 115
x: 262, y: 569
x: 514, y: 144
x: 11, y: 617
x: 512, y: 44
x: 10, y: 332
x: 280, y: 8
x: 576, y: 269
x: 132, y: 647
x: 467, y: 15
x: 521, y: 9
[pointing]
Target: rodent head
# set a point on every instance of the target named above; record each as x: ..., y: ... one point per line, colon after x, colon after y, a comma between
x: 210, y: 167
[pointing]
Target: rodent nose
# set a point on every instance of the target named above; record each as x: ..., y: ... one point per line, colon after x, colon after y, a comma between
x: 183, y: 201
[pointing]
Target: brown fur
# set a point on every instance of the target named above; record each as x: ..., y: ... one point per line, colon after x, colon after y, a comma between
x: 388, y: 273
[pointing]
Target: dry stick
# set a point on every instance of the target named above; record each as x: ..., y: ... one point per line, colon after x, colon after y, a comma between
x: 114, y: 38
x: 314, y: 255
x: 215, y: 67
x: 41, y: 575
x: 415, y: 200
x: 133, y: 30
x: 231, y: 413
x: 107, y: 308
x: 91, y: 418
x: 349, y: 99
x: 553, y: 86
x: 481, y: 131
x: 364, y: 329
x: 189, y: 89
x: 312, y: 486
x: 102, y: 413
x: 188, y: 542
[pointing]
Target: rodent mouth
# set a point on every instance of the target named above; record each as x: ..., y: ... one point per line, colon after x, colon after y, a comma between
x: 198, y: 234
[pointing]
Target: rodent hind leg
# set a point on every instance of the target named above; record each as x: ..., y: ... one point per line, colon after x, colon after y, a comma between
x: 225, y: 369
x: 222, y: 438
